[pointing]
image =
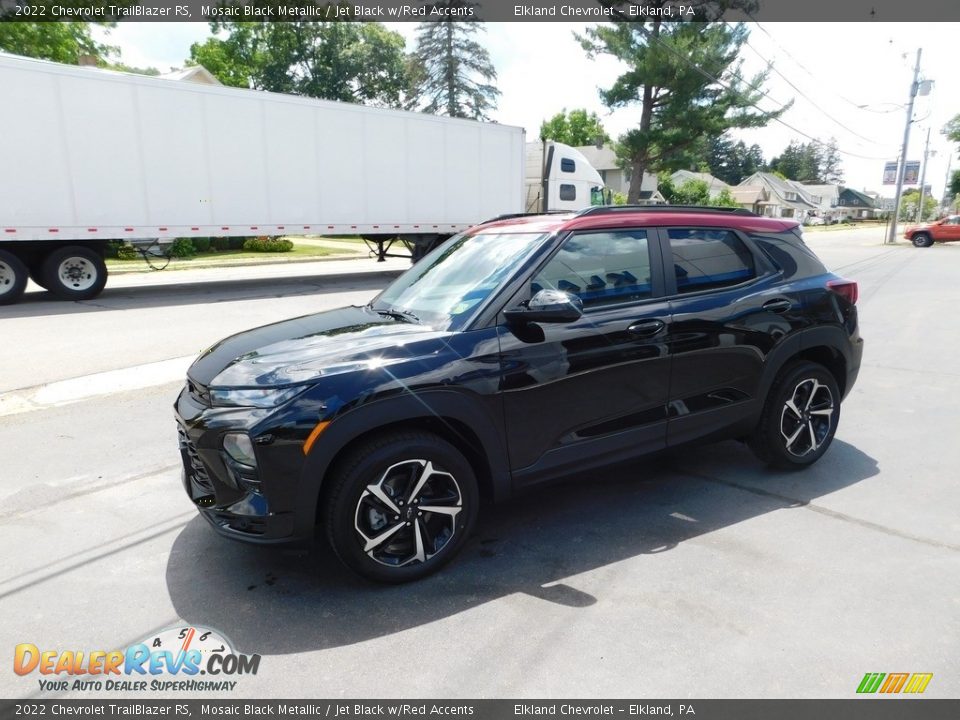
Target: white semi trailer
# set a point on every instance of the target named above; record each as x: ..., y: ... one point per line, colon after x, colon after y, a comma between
x: 89, y: 155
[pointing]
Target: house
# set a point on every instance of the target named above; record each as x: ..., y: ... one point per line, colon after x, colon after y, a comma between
x: 826, y: 197
x: 714, y: 185
x: 751, y: 197
x: 787, y: 199
x: 604, y: 161
x: 855, y: 205
x: 883, y: 204
x: 194, y: 73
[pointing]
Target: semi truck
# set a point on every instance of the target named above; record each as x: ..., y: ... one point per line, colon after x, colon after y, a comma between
x: 89, y: 156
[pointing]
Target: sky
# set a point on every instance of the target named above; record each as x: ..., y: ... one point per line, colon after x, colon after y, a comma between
x: 849, y: 81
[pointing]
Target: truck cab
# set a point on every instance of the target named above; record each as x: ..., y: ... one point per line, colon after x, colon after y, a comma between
x: 558, y: 177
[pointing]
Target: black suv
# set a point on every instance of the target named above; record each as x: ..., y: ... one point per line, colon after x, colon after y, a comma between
x: 526, y: 348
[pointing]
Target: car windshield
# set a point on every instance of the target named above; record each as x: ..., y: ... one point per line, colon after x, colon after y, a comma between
x: 447, y: 286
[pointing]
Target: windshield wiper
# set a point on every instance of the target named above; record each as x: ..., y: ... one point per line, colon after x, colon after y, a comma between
x: 397, y: 314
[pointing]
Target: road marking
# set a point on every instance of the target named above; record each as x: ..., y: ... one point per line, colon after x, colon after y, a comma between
x: 66, y: 392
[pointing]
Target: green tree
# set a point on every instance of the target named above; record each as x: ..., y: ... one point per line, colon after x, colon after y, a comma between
x: 909, y: 203
x: 952, y: 129
x: 732, y: 161
x: 813, y: 162
x: 830, y: 169
x: 576, y: 128
x: 359, y: 62
x: 457, y: 75
x: 694, y: 192
x: 674, y: 71
x: 63, y: 42
x: 954, y: 187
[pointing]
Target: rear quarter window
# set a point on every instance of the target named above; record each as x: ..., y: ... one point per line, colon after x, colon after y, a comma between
x: 707, y: 259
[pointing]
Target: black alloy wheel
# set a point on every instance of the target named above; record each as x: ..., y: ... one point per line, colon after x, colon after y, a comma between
x: 401, y: 506
x: 799, y: 418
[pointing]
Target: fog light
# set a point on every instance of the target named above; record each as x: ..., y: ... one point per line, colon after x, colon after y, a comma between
x: 239, y: 447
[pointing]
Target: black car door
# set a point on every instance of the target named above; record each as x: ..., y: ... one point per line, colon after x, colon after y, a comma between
x: 729, y: 310
x: 593, y: 390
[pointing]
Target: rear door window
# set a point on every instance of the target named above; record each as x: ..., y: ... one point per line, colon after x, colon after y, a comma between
x: 706, y: 259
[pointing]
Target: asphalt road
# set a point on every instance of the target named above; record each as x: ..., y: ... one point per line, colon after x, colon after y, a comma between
x: 697, y: 575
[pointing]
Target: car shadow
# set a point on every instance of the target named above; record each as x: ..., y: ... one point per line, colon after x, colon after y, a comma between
x: 42, y: 303
x: 271, y: 601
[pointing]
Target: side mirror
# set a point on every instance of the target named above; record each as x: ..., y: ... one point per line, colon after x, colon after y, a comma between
x: 547, y: 306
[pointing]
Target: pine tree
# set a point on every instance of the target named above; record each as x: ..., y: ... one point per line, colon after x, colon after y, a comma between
x: 456, y: 74
x: 686, y: 78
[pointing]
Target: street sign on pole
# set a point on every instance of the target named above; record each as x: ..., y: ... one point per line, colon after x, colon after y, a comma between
x: 911, y: 174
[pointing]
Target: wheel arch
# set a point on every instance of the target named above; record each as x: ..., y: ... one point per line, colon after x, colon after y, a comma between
x: 460, y: 419
x: 827, y: 346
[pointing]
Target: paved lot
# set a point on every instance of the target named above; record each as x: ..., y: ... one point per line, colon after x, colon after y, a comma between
x: 698, y: 575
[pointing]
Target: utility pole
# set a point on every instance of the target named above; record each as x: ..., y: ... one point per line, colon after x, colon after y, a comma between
x: 947, y: 196
x: 901, y: 171
x: 923, y: 176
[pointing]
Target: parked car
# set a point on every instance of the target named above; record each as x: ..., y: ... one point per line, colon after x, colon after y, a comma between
x: 814, y: 220
x: 522, y: 350
x: 943, y: 230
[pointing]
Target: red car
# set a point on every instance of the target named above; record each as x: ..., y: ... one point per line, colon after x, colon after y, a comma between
x: 943, y: 230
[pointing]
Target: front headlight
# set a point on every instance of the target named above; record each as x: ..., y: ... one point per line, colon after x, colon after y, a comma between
x: 259, y: 398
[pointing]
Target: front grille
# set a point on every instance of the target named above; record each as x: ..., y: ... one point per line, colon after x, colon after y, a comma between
x: 201, y: 487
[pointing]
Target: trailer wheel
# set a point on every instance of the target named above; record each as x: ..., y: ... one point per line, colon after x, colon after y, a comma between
x: 13, y: 278
x: 74, y: 273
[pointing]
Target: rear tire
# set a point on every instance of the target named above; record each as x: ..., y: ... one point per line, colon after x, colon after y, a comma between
x: 13, y: 277
x: 799, y: 418
x: 922, y: 240
x: 400, y: 506
x: 74, y: 273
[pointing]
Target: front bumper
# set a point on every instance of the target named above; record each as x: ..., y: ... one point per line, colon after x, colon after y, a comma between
x: 255, y: 507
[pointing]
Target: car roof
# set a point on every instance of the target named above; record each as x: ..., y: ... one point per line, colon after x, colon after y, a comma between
x: 618, y: 216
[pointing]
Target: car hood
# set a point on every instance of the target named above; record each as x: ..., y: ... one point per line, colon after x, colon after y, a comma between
x: 304, y: 348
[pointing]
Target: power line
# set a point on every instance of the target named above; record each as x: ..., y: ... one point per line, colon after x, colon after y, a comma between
x: 804, y: 68
x: 722, y: 84
x: 809, y: 99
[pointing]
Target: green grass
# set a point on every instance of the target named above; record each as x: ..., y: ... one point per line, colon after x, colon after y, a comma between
x: 299, y: 251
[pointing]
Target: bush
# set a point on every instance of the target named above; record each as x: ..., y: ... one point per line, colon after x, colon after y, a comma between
x: 236, y: 243
x: 127, y: 252
x: 182, y: 247
x: 221, y: 243
x: 268, y: 244
x: 112, y: 248
x: 201, y: 244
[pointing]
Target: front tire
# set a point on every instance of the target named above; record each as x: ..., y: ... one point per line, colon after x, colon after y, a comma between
x: 922, y: 240
x: 799, y: 418
x: 74, y: 273
x: 400, y: 506
x: 13, y: 278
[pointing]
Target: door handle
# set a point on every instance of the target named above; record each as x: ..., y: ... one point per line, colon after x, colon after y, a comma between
x: 646, y: 328
x: 779, y: 305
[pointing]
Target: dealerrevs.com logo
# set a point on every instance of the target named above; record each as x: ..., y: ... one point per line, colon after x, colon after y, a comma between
x: 183, y: 659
